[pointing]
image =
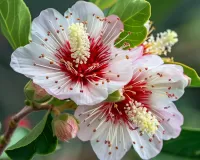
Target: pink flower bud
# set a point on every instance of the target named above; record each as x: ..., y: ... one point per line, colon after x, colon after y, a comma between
x: 188, y: 79
x: 39, y: 92
x: 35, y: 93
x: 65, y: 127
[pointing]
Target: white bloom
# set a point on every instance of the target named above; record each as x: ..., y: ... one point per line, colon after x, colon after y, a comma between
x: 73, y: 56
x: 143, y: 119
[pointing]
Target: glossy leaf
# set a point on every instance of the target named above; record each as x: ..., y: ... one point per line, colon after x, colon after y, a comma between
x: 15, y: 20
x: 40, y: 140
x: 134, y: 14
x: 186, y: 145
x: 104, y: 4
x: 165, y: 156
x: 18, y: 134
x: 190, y: 72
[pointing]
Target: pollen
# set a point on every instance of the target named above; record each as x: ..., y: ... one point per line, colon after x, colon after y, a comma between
x: 162, y: 44
x: 142, y: 118
x: 79, y: 43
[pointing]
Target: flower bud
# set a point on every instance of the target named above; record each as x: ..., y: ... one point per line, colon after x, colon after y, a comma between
x: 35, y: 93
x: 65, y: 127
x: 189, y: 80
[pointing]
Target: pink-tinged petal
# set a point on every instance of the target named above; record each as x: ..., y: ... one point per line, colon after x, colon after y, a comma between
x: 143, y: 65
x: 147, y: 147
x: 119, y: 73
x: 112, y: 142
x: 166, y: 82
x: 132, y: 54
x: 120, y: 76
x: 49, y: 29
x: 171, y: 119
x: 113, y: 26
x: 86, y: 12
x: 147, y: 62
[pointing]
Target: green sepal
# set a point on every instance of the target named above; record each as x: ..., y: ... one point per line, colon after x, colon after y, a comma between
x: 30, y: 94
x: 115, y: 97
x: 29, y: 91
x: 57, y: 102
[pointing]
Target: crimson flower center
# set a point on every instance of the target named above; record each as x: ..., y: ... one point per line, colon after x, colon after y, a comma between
x: 91, y: 71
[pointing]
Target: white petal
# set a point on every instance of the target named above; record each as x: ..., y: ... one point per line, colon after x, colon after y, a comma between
x: 83, y: 114
x: 24, y: 58
x: 145, y: 146
x: 147, y: 62
x: 27, y: 60
x: 172, y: 119
x: 166, y: 82
x: 86, y: 11
x: 109, y: 141
x: 50, y: 30
x: 133, y: 54
x: 119, y: 72
x: 89, y: 94
x: 119, y: 142
x: 112, y: 29
x: 143, y: 65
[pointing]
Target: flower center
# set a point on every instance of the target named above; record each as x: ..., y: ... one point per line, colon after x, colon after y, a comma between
x: 79, y: 43
x: 141, y: 117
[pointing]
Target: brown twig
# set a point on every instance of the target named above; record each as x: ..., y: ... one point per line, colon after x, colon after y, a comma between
x: 5, y: 139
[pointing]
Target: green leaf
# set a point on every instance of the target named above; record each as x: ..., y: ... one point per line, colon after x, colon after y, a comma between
x: 57, y: 102
x: 190, y: 72
x: 18, y: 134
x: 162, y: 9
x: 104, y: 4
x: 165, y: 156
x: 134, y: 14
x: 186, y: 145
x: 40, y: 140
x: 15, y: 20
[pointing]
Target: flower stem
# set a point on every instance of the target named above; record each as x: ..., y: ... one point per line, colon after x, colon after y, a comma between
x: 5, y: 139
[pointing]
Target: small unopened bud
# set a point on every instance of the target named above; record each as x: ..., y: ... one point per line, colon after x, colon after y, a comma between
x: 35, y: 93
x: 189, y: 80
x: 65, y: 127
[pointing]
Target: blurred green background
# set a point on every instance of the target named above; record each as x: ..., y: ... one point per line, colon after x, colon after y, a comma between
x: 183, y: 16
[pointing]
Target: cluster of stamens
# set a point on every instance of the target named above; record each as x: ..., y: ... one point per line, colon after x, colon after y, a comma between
x: 162, y: 44
x: 79, y: 43
x: 141, y: 117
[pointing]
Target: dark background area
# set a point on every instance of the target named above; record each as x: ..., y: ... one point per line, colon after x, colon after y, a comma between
x: 183, y: 16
